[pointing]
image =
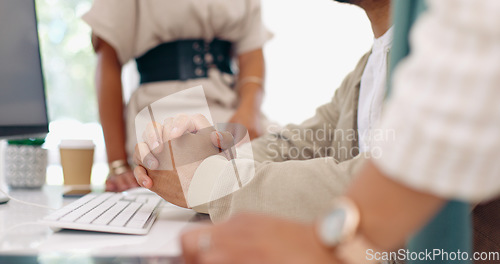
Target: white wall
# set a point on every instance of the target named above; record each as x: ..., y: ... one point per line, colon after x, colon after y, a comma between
x: 316, y: 43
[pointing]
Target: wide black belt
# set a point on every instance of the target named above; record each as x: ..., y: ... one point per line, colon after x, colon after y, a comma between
x: 183, y: 60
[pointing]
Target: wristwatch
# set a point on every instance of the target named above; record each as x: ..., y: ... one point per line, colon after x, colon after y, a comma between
x: 340, y: 225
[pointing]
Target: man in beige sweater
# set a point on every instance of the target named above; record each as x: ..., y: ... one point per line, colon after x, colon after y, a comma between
x: 297, y: 172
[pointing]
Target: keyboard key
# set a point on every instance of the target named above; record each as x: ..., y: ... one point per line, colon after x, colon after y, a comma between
x: 125, y: 215
x: 79, y: 212
x: 109, y: 215
x: 70, y: 207
x: 141, y: 199
x: 96, y: 212
x: 141, y: 217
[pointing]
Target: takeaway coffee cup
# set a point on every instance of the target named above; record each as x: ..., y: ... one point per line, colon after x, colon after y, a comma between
x: 77, y: 157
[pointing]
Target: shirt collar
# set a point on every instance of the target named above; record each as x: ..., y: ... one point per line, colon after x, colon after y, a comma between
x: 384, y: 40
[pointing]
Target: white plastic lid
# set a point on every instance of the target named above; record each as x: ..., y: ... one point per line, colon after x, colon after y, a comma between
x: 76, y: 144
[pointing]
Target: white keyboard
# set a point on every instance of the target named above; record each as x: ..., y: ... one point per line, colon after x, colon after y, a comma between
x: 108, y: 212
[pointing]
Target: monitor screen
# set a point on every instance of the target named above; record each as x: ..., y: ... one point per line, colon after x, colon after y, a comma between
x: 22, y: 96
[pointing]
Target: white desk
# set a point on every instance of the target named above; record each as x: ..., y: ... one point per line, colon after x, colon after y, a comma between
x: 18, y: 236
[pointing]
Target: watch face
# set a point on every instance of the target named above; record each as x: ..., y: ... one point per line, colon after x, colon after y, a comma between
x: 333, y: 227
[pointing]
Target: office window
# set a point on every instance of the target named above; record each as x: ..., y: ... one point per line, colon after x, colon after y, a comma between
x: 69, y: 65
x: 68, y: 59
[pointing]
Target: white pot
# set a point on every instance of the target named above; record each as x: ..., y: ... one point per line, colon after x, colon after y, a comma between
x: 25, y: 166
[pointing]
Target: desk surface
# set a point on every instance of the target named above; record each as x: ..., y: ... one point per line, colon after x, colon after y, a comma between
x: 21, y: 235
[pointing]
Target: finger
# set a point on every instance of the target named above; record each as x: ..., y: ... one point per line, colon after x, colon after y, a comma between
x: 167, y: 128
x: 222, y: 139
x: 147, y: 159
x: 181, y: 124
x: 121, y: 185
x: 138, y: 157
x: 137, y: 176
x: 130, y: 179
x: 110, y: 185
x: 200, y: 121
x: 142, y: 177
x: 153, y: 137
x: 189, y: 247
x: 190, y: 244
x: 184, y: 123
x: 215, y: 257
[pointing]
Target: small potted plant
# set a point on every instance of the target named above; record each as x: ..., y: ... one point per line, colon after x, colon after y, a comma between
x: 26, y: 163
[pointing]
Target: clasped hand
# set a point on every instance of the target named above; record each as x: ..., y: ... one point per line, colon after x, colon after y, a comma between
x: 172, y: 151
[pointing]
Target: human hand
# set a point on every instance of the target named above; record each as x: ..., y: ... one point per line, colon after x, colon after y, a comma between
x: 250, y: 119
x: 251, y: 238
x: 121, y: 182
x: 166, y: 184
x: 187, y: 140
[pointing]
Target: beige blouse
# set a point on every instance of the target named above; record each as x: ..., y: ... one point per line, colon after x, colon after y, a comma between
x: 133, y: 27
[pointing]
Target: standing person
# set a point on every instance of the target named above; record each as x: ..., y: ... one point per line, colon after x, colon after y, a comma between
x: 177, y: 45
x: 445, y: 110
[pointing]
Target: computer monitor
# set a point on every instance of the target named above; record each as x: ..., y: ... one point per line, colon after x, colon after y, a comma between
x: 23, y: 110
